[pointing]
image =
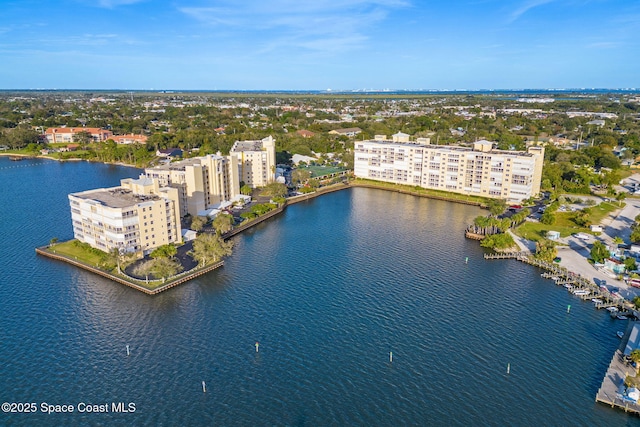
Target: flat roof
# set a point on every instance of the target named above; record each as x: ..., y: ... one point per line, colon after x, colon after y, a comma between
x: 116, y: 197
x: 247, y: 146
x: 634, y: 339
x: 447, y: 147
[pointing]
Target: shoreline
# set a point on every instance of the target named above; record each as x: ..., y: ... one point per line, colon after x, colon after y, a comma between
x: 48, y: 252
x: 73, y: 159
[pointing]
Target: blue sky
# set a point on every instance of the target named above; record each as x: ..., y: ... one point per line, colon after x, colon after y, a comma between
x: 319, y: 44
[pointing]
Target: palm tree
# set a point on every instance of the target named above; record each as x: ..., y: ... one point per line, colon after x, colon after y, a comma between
x: 635, y: 357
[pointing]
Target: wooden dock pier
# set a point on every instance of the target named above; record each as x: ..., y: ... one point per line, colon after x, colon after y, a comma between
x: 611, y: 392
x: 561, y: 276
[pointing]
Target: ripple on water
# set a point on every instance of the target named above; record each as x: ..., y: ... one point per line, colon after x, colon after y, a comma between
x: 329, y: 288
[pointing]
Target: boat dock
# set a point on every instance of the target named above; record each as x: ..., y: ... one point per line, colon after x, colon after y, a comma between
x: 613, y: 390
x: 580, y: 286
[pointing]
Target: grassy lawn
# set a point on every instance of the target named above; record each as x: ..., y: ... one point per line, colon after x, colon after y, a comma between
x: 75, y: 252
x: 564, y: 224
x: 424, y: 191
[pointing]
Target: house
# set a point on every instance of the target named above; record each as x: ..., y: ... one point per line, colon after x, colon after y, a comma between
x: 597, y: 122
x: 614, y: 265
x: 129, y: 139
x: 297, y: 158
x: 188, y: 235
x: 305, y: 133
x: 70, y: 147
x: 596, y: 228
x: 349, y: 132
x: 169, y: 153
x: 553, y: 235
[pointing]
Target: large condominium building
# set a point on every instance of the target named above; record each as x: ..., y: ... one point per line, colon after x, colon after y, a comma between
x: 256, y: 161
x: 137, y: 216
x: 479, y: 171
x: 202, y: 182
x: 54, y: 135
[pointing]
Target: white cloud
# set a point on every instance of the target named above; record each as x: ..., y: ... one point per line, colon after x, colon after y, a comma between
x: 321, y: 25
x: 525, y: 7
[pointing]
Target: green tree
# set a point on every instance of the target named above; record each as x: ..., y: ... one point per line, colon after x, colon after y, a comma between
x: 246, y: 190
x: 160, y: 268
x: 275, y: 189
x: 164, y: 251
x: 599, y: 252
x: 300, y: 176
x: 501, y: 241
x: 198, y: 222
x: 545, y: 250
x: 620, y: 197
x: 630, y: 264
x: 209, y: 248
x: 164, y: 267
x: 496, y: 206
x: 21, y: 136
x: 548, y: 217
x: 83, y: 138
x: 222, y: 223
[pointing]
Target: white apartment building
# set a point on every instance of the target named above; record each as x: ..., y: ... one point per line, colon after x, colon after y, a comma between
x: 137, y: 216
x: 256, y: 161
x: 202, y: 182
x: 479, y: 171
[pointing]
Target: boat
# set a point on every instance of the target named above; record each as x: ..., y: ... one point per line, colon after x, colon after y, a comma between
x: 16, y: 158
x: 612, y: 309
x: 620, y: 334
x: 622, y: 317
x: 596, y: 301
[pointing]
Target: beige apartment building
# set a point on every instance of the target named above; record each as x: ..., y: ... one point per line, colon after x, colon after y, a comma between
x: 479, y: 171
x: 56, y: 135
x: 203, y: 183
x: 256, y: 161
x: 137, y: 216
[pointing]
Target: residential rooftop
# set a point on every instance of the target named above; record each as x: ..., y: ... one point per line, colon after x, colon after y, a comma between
x: 116, y: 197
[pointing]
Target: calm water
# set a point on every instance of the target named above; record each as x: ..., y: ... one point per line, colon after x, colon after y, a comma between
x: 328, y: 289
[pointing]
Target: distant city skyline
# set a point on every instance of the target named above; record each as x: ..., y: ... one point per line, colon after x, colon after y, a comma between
x: 319, y: 45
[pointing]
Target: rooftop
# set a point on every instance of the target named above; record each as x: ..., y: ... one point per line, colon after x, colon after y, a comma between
x: 116, y: 197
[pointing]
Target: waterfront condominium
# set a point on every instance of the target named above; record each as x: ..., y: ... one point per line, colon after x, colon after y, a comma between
x: 479, y: 170
x: 256, y: 161
x: 203, y: 183
x: 137, y: 216
x: 64, y: 134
